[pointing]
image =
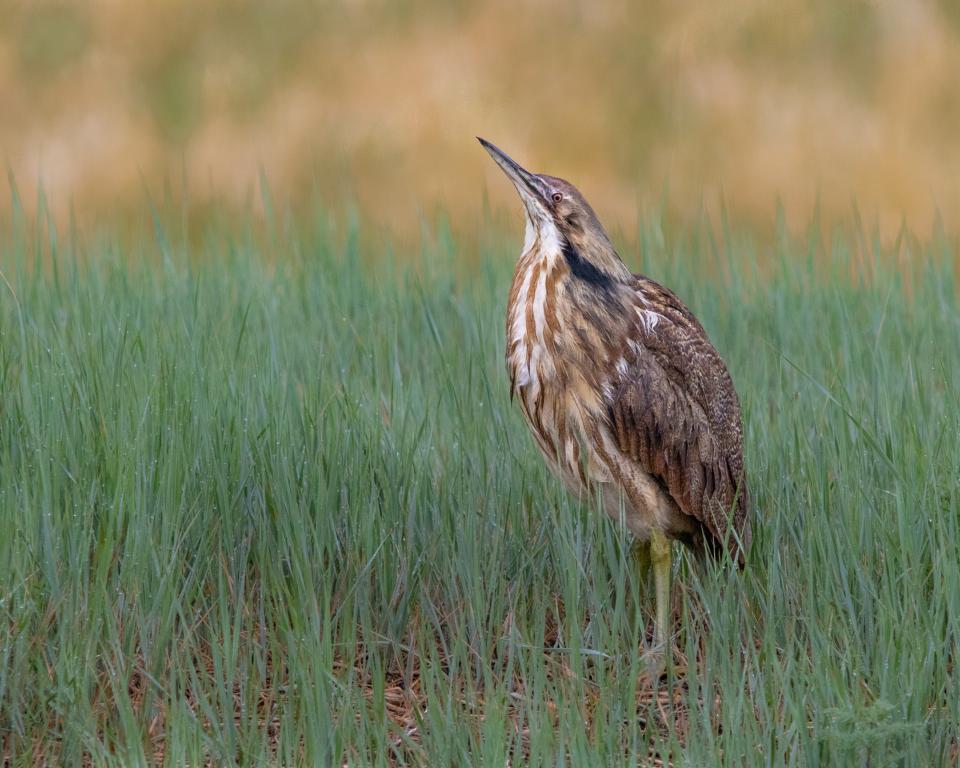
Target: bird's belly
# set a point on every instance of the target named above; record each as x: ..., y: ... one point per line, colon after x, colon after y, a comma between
x: 556, y: 411
x: 640, y: 502
x: 590, y: 465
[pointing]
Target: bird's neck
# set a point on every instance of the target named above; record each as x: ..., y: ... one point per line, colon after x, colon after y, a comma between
x: 592, y: 255
x: 542, y: 241
x: 560, y: 310
x: 589, y: 255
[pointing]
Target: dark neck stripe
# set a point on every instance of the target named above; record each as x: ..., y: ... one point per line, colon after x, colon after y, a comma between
x: 583, y: 269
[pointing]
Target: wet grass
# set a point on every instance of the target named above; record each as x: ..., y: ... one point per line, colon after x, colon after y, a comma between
x: 268, y: 502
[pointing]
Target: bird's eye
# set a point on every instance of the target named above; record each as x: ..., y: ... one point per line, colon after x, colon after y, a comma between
x: 557, y: 197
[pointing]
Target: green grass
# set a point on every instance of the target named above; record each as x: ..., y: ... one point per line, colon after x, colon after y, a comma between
x: 268, y: 502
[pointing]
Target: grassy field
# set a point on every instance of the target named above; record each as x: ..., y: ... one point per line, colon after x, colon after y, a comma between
x: 265, y: 500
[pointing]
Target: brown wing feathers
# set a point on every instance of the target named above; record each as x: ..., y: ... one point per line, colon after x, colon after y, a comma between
x: 675, y: 412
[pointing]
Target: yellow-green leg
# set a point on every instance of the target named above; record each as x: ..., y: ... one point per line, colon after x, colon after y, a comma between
x: 655, y: 555
x: 660, y: 555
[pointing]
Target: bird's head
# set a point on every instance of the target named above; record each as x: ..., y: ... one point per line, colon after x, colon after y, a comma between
x: 557, y: 213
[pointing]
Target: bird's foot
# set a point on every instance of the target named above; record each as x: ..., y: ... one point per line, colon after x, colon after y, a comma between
x: 653, y: 661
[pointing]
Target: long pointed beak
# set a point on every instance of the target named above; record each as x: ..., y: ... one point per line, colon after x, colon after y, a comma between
x: 533, y: 191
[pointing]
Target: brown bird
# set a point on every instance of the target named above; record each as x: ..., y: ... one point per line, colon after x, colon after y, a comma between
x: 621, y: 387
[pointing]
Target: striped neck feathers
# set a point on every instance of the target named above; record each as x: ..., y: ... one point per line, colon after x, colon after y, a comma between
x: 589, y: 253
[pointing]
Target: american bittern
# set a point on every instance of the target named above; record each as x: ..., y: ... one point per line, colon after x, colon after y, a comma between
x: 621, y: 387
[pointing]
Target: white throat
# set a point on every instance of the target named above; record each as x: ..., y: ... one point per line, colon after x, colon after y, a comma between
x: 545, y: 235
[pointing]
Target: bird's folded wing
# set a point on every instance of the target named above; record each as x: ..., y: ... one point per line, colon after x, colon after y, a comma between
x: 674, y: 411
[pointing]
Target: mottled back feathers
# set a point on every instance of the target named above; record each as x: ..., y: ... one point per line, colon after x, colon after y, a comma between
x: 675, y: 412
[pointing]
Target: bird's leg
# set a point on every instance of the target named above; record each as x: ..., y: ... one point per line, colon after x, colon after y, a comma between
x: 660, y: 554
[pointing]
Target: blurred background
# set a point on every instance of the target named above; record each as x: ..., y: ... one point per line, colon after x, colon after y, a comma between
x: 373, y: 106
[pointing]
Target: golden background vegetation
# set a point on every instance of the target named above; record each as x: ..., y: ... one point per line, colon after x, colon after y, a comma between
x: 748, y: 104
